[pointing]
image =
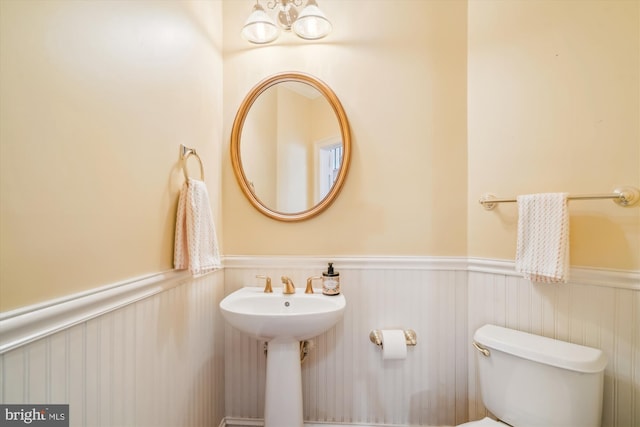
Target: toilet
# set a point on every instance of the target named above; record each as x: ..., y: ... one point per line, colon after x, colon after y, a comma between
x: 534, y: 381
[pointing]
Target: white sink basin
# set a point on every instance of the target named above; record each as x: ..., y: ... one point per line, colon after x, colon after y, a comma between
x: 283, y: 321
x: 266, y: 316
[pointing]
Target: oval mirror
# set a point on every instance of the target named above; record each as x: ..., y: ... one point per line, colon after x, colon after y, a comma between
x: 291, y: 146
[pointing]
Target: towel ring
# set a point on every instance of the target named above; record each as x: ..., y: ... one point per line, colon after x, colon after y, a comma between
x: 185, y: 152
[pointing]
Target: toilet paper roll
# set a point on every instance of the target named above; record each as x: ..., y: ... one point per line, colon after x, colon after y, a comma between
x: 394, y: 344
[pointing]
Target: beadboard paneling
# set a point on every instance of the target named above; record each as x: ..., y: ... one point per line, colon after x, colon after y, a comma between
x: 605, y: 317
x: 155, y: 362
x: 345, y: 379
x: 107, y: 366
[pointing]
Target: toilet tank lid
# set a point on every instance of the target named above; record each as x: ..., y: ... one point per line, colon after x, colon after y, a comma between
x: 540, y: 349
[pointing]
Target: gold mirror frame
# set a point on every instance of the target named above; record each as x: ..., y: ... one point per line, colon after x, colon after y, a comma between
x: 236, y: 134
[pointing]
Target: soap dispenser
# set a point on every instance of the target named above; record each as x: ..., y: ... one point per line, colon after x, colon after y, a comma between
x: 330, y: 281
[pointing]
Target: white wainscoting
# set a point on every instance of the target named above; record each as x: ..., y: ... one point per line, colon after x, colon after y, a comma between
x: 152, y: 352
x: 345, y: 380
x: 152, y: 356
x: 598, y: 308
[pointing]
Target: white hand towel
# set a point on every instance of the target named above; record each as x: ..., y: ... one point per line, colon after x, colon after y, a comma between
x: 542, y: 253
x: 196, y: 244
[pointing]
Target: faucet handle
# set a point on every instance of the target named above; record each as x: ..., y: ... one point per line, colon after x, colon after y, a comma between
x: 309, y: 289
x: 288, y: 286
x: 267, y: 288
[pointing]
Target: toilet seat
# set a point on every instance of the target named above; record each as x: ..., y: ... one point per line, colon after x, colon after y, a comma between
x: 485, y: 422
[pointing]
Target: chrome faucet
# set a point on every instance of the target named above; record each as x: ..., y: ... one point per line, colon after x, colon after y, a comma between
x: 288, y: 286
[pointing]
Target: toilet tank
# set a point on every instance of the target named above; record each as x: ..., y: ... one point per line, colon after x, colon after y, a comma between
x: 529, y: 380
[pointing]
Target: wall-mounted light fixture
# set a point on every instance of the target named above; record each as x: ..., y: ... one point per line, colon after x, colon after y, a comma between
x: 310, y: 23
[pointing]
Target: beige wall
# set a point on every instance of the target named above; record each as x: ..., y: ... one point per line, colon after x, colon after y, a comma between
x: 259, y: 151
x: 554, y: 105
x: 399, y: 69
x: 293, y: 118
x: 96, y: 98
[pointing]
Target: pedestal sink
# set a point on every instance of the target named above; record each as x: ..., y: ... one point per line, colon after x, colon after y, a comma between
x: 283, y: 321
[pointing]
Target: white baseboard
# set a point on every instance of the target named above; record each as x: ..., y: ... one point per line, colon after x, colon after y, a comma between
x: 241, y: 422
x: 258, y: 422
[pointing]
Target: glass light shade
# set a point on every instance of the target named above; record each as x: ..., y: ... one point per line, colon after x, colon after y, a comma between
x: 312, y: 24
x: 259, y: 28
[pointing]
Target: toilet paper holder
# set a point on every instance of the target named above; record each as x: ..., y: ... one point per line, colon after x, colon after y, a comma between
x: 409, y: 334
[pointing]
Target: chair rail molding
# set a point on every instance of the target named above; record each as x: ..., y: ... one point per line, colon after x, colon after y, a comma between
x: 610, y: 278
x: 348, y: 262
x: 27, y: 324
x: 624, y: 279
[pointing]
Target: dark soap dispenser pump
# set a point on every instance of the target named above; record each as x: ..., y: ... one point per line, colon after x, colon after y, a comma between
x: 330, y: 281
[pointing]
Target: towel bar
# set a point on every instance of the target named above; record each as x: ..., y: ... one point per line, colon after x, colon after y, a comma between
x: 622, y: 196
x: 185, y: 152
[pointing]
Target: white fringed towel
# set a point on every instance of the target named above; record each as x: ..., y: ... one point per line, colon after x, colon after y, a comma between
x: 196, y: 244
x: 542, y: 253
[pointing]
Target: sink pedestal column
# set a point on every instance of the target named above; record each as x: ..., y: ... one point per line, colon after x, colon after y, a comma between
x: 283, y: 391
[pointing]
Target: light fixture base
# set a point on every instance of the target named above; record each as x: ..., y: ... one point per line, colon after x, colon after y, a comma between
x: 309, y: 24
